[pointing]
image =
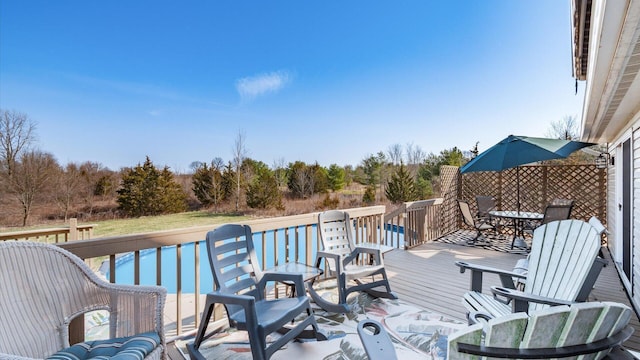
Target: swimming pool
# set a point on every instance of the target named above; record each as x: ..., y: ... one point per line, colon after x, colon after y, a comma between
x: 125, y: 263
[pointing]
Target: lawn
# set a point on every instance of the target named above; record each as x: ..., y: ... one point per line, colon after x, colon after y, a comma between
x: 148, y: 223
x: 161, y: 222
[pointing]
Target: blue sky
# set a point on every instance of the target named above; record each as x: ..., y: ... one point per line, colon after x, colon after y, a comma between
x: 325, y: 81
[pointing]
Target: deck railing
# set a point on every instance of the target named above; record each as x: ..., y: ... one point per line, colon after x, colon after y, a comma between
x: 290, y: 238
x: 53, y: 235
x: 420, y: 221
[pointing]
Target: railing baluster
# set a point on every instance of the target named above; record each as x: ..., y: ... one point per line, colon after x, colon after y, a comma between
x: 196, y: 292
x: 112, y: 269
x: 179, y: 288
x: 136, y: 267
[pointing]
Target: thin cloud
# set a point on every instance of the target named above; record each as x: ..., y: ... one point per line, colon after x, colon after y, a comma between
x: 251, y: 87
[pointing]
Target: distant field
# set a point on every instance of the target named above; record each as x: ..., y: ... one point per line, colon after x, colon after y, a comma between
x: 148, y: 223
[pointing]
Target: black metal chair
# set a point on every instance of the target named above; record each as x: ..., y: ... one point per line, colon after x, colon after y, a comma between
x: 557, y: 210
x: 241, y: 287
x: 478, y: 224
x: 485, y: 204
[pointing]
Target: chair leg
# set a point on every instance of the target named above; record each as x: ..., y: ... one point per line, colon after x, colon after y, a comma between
x: 257, y: 340
x: 324, y: 304
x: 193, y: 347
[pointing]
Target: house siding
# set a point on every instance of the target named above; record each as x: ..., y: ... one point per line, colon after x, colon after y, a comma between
x: 635, y: 221
x: 612, y: 208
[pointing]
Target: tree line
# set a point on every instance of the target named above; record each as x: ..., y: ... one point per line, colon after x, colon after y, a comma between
x: 30, y: 177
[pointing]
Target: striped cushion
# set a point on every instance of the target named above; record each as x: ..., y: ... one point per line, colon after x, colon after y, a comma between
x: 124, y: 348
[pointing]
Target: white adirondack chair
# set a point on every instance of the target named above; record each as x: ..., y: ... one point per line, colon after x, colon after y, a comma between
x: 522, y: 265
x: 562, y: 269
x: 592, y: 329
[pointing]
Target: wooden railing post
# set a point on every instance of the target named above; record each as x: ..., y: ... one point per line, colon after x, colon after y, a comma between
x: 73, y: 229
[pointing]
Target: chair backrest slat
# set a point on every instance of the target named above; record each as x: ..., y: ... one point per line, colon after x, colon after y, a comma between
x: 336, y: 231
x: 233, y: 259
x: 561, y: 256
x: 554, y: 327
x: 231, y: 245
x: 237, y: 272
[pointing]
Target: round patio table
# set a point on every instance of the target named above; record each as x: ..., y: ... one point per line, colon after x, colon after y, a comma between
x: 517, y: 217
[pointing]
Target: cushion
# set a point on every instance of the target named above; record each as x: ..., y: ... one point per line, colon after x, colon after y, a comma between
x: 124, y: 348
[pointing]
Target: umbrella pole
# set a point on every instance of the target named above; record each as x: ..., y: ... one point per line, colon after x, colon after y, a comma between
x: 518, y: 187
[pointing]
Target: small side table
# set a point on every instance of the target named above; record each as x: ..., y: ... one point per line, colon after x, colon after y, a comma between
x: 308, y: 272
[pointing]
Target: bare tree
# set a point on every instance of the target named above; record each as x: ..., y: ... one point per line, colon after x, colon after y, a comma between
x: 567, y: 129
x: 217, y: 163
x: 17, y: 133
x: 239, y: 154
x: 68, y: 183
x: 395, y: 154
x: 415, y: 154
x: 280, y: 172
x: 32, y: 174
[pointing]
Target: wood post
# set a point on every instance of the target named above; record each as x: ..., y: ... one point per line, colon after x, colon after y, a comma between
x: 73, y: 229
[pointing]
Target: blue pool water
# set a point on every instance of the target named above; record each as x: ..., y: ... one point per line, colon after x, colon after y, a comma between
x: 125, y: 263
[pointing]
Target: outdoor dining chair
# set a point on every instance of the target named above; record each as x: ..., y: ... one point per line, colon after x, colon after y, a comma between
x: 557, y: 210
x: 478, y: 224
x: 485, y: 204
x: 241, y: 286
x: 345, y: 263
x: 45, y: 287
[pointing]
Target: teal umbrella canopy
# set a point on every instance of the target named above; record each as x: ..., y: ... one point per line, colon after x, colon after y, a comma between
x: 519, y: 150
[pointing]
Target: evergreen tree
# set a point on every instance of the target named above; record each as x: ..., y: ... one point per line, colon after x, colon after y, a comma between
x: 263, y: 192
x: 401, y: 187
x: 147, y: 191
x: 228, y: 182
x: 424, y: 188
x: 320, y: 178
x: 369, y: 196
x: 207, y: 185
x: 336, y: 177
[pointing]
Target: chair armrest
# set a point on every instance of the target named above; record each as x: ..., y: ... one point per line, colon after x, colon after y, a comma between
x: 365, y: 250
x: 135, y: 309
x: 475, y: 317
x: 506, y: 277
x: 231, y: 299
x: 521, y: 299
x: 329, y: 255
x: 296, y: 279
x: 548, y: 353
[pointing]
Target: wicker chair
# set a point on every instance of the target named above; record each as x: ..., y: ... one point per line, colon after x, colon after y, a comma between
x: 45, y: 287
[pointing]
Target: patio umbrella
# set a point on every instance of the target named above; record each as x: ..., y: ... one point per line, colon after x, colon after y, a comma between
x: 514, y: 151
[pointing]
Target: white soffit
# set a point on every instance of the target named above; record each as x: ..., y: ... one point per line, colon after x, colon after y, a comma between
x: 613, y: 91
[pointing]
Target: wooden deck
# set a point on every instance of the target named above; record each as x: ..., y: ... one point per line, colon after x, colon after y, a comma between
x: 426, y: 276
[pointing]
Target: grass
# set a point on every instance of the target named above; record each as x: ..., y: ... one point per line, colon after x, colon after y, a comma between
x: 146, y: 223
x: 162, y: 222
